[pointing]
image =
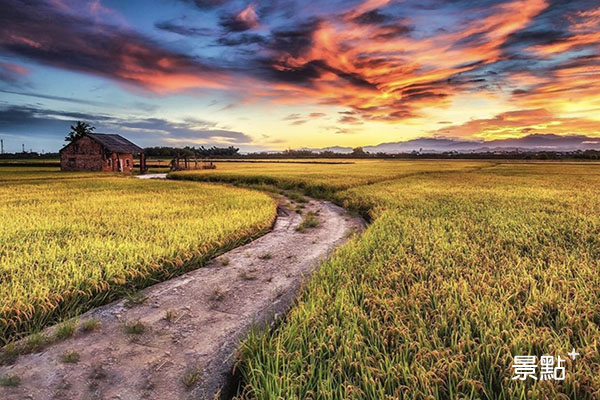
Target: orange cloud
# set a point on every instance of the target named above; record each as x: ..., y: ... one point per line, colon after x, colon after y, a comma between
x: 248, y: 16
x: 520, y: 123
x: 402, y: 74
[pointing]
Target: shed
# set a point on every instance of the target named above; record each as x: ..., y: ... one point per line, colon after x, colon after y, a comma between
x: 101, y: 152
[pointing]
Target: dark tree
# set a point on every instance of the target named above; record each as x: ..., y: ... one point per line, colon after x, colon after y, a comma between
x: 78, y: 130
x: 358, y: 151
x: 192, y: 151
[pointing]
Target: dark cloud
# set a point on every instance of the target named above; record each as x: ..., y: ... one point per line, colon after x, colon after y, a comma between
x: 207, y: 4
x: 61, y: 98
x: 393, y: 31
x: 453, y: 5
x: 373, y: 17
x: 310, y: 71
x: 39, y: 31
x: 473, y: 40
x: 589, y: 61
x: 13, y: 116
x: 244, y: 39
x: 350, y: 117
x: 534, y: 37
x: 233, y: 24
x: 181, y: 29
x: 244, y: 20
x: 303, y: 74
x: 294, y: 41
x: 471, y: 64
x: 551, y: 26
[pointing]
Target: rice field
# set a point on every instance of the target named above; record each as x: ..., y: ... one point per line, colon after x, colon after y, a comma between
x: 319, y: 179
x: 462, y: 269
x: 70, y: 241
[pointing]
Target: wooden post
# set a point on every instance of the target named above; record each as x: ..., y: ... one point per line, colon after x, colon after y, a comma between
x: 143, y: 168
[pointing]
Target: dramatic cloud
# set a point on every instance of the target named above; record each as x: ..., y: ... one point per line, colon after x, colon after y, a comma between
x: 42, y: 32
x: 414, y: 62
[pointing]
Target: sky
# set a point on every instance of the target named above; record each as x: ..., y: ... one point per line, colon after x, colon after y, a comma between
x: 278, y: 74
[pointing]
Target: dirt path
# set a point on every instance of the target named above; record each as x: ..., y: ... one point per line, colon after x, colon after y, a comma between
x: 192, y: 324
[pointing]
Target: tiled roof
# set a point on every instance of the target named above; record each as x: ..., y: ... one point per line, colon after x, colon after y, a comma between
x: 115, y: 143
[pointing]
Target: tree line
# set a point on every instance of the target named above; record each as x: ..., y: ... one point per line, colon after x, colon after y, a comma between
x: 200, y: 152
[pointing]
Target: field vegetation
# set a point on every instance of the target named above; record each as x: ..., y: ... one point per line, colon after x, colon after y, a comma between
x: 318, y: 179
x: 70, y: 241
x: 464, y: 266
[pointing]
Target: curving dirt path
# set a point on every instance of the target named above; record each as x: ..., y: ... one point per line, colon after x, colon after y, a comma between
x: 192, y: 324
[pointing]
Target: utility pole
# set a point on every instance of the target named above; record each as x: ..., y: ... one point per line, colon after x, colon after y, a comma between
x: 1, y: 146
x: 23, y: 148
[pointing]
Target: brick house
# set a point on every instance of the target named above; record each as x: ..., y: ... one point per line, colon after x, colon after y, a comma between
x: 101, y: 152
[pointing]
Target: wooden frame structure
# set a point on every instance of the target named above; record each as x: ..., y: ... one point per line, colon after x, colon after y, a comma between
x: 180, y: 163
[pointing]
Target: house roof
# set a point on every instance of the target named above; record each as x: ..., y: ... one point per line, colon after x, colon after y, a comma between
x: 115, y: 143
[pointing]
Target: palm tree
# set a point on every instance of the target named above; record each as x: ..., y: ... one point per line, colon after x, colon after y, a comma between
x: 80, y: 129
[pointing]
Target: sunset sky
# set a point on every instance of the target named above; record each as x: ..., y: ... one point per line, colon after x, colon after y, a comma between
x: 289, y: 73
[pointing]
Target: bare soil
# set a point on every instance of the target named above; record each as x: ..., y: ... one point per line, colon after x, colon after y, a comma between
x: 152, y: 176
x: 192, y: 325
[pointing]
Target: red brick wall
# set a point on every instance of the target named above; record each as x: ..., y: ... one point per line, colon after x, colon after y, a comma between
x: 82, y: 155
x: 87, y: 155
x: 113, y: 163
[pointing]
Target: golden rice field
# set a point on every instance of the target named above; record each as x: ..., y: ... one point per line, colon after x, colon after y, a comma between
x: 318, y: 179
x: 464, y: 266
x: 69, y: 241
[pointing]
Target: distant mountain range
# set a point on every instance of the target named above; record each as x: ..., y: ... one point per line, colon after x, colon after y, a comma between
x: 534, y: 142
